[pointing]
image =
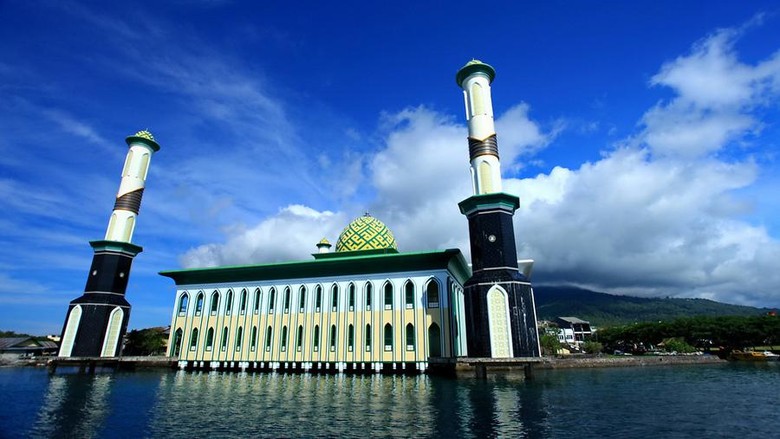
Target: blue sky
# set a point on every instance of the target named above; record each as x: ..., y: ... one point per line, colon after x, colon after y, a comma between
x: 641, y: 137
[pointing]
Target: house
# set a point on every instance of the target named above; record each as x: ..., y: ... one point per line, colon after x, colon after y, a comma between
x: 573, y: 330
x: 16, y: 347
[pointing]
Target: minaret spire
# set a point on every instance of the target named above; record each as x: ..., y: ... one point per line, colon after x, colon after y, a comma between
x: 96, y: 322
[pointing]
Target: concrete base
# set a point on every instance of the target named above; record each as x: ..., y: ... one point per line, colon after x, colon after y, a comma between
x: 481, y: 368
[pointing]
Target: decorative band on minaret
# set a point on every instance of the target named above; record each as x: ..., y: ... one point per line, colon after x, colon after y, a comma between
x: 499, y: 303
x: 96, y: 322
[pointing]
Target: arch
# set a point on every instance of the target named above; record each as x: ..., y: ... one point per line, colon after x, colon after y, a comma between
x: 144, y: 167
x: 333, y: 338
x: 350, y: 338
x: 316, y: 338
x: 175, y: 347
x: 477, y: 100
x: 209, y: 339
x: 388, y: 289
x: 269, y: 334
x: 229, y: 302
x: 111, y: 339
x: 351, y: 296
x: 239, y: 338
x: 302, y: 298
x: 485, y: 177
x: 334, y: 297
x: 410, y: 337
x: 71, y: 329
x: 287, y: 300
x: 368, y: 289
x: 368, y: 337
x: 271, y: 300
x: 111, y: 226
x: 199, y: 303
x: 253, y: 339
x: 434, y: 340
x: 128, y: 160
x: 194, y: 339
x: 409, y: 294
x: 388, y: 337
x: 283, y: 341
x: 242, y: 302
x: 299, y: 339
x: 318, y: 297
x: 498, y: 322
x: 129, y: 226
x: 432, y: 293
x: 257, y: 301
x: 184, y: 301
x: 214, y: 302
x: 224, y: 339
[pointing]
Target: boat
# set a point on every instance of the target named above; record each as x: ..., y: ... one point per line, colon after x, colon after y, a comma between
x: 771, y: 356
x: 748, y: 356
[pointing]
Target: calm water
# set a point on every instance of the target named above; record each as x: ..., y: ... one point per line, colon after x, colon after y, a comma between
x: 730, y: 400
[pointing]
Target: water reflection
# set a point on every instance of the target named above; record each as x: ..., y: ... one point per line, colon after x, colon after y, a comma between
x: 73, y: 407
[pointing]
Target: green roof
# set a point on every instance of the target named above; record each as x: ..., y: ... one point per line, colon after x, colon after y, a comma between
x: 472, y: 67
x: 364, y: 264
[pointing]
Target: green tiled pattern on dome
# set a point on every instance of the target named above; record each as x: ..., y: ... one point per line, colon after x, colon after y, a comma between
x: 366, y: 233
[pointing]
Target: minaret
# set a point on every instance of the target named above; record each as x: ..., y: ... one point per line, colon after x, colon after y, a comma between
x: 499, y: 300
x: 96, y: 322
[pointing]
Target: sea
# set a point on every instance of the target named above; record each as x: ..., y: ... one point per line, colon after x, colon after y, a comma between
x: 714, y: 401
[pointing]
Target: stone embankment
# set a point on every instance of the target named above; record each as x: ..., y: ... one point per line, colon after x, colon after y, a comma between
x: 572, y: 362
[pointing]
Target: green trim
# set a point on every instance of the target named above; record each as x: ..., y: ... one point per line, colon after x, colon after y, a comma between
x: 353, y: 253
x: 135, y: 139
x: 359, y: 264
x: 475, y: 66
x: 116, y: 246
x: 497, y: 200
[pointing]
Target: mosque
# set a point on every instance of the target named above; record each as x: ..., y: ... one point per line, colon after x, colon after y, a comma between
x: 364, y: 307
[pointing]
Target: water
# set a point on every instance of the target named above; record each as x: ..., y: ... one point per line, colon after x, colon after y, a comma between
x: 728, y: 400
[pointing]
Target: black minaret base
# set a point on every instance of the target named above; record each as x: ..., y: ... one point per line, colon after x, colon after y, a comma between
x: 102, y: 305
x: 494, y: 263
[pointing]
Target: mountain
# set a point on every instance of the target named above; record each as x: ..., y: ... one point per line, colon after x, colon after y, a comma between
x: 602, y: 309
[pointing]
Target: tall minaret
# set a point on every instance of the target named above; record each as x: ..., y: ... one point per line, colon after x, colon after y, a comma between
x: 499, y: 300
x: 96, y: 322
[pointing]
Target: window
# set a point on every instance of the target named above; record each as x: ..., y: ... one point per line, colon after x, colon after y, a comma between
x: 318, y: 298
x: 299, y: 339
x: 302, y: 298
x: 284, y: 338
x: 388, y: 295
x: 194, y: 339
x: 199, y: 304
x: 368, y: 338
x: 253, y: 340
x: 388, y: 337
x: 257, y: 300
x: 334, y: 303
x: 183, y: 302
x: 214, y: 302
x: 242, y: 305
x: 432, y: 291
x: 368, y: 296
x: 239, y: 337
x: 271, y: 300
x: 333, y: 338
x: 316, y: 341
x: 434, y: 340
x: 269, y: 333
x: 409, y: 337
x: 351, y: 297
x: 229, y: 302
x: 409, y: 293
x: 224, y: 339
x: 209, y: 339
x: 287, y: 300
x: 350, y: 338
x: 177, y: 337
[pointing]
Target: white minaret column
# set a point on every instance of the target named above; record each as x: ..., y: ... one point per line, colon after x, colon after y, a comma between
x: 475, y: 79
x: 131, y: 189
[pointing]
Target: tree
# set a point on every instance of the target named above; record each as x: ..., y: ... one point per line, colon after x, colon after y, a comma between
x: 592, y: 347
x: 150, y: 341
x: 550, y: 344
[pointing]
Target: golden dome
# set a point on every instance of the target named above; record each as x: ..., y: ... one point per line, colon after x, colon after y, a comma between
x: 366, y: 233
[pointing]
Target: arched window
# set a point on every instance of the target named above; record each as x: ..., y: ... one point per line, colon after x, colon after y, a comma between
x: 128, y: 160
x: 434, y: 340
x: 209, y: 339
x: 302, y: 298
x: 477, y: 100
x: 183, y: 302
x: 318, y: 298
x: 333, y: 338
x: 316, y: 340
x: 284, y: 338
x: 351, y: 290
x: 334, y: 302
x: 368, y: 296
x: 239, y: 337
x: 287, y: 300
x: 409, y: 294
x: 351, y: 338
x: 144, y: 168
x: 214, y: 302
x: 111, y: 339
x: 242, y: 304
x: 257, y: 301
x: 368, y: 338
x: 229, y: 302
x: 194, y: 339
x: 199, y: 304
x: 253, y: 340
x: 409, y: 337
x: 271, y: 300
x: 485, y: 177
x: 224, y: 339
x: 299, y: 338
x: 388, y: 337
x: 177, y: 338
x: 432, y: 291
x: 388, y: 295
x: 269, y: 334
